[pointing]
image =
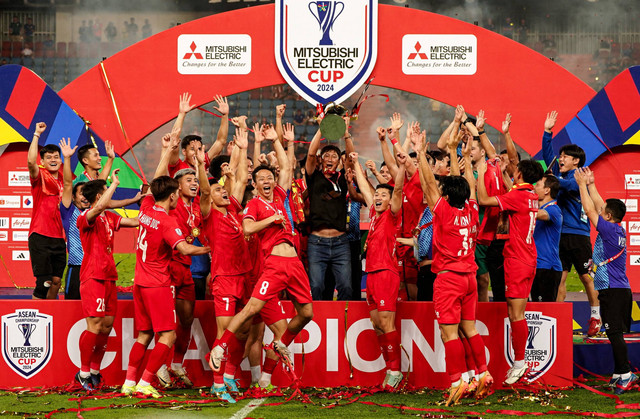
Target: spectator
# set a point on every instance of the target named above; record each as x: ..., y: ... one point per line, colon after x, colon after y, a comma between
x: 29, y: 28
x: 89, y: 32
x: 523, y: 32
x: 298, y: 117
x: 27, y: 51
x: 15, y: 29
x: 146, y: 29
x: 83, y: 31
x: 3, y: 62
x: 111, y: 32
x: 507, y: 28
x: 490, y: 25
x: 549, y: 42
x: 126, y: 32
x: 96, y: 30
x: 133, y: 30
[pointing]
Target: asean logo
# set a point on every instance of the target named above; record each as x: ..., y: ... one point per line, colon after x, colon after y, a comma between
x: 27, y: 336
x: 540, y: 352
x: 326, y: 50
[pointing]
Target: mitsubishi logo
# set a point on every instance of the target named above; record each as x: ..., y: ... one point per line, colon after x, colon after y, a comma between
x: 413, y: 55
x: 193, y: 52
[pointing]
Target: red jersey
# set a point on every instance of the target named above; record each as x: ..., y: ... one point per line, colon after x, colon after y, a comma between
x: 521, y: 204
x: 158, y: 235
x: 381, y: 241
x: 454, y: 237
x: 97, y: 243
x: 412, y: 205
x: 188, y: 217
x: 495, y: 186
x: 46, y: 192
x: 181, y: 164
x: 258, y: 209
x: 229, y: 249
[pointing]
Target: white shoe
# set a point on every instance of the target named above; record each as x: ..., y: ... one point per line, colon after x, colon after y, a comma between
x: 163, y: 376
x: 515, y: 374
x: 182, y: 375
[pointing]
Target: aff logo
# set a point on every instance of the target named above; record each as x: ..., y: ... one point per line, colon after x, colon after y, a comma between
x: 540, y: 352
x: 326, y: 50
x: 26, y: 341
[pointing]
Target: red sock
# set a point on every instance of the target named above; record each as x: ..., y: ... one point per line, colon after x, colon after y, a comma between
x: 287, y: 337
x: 479, y: 356
x: 519, y: 335
x: 87, y: 343
x: 468, y: 355
x: 218, y: 377
x: 454, y: 357
x: 98, y: 351
x: 156, y: 359
x: 393, y: 350
x: 382, y: 341
x: 135, y: 360
x: 269, y: 365
x: 224, y: 339
x: 183, y: 338
x: 236, y: 354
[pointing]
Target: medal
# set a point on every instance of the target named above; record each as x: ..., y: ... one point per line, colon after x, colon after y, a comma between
x: 195, y: 231
x: 189, y: 239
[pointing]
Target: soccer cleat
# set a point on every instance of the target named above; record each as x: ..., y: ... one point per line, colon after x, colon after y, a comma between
x: 221, y: 393
x: 148, y: 390
x: 84, y: 382
x: 484, y: 384
x: 181, y: 373
x: 394, y: 380
x: 163, y: 376
x: 515, y: 374
x: 613, y: 381
x: 232, y: 385
x: 386, y: 379
x: 625, y: 384
x: 96, y: 380
x: 594, y: 326
x: 283, y: 352
x: 127, y: 390
x: 215, y: 358
x: 456, y: 392
x: 471, y: 388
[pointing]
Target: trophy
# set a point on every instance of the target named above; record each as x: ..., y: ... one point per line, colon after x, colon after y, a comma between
x: 326, y: 15
x: 332, y: 124
x: 27, y: 329
x: 533, y: 332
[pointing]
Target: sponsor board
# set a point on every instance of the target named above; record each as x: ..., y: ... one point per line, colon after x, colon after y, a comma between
x: 21, y: 223
x: 27, y: 341
x: 214, y: 54
x: 20, y: 236
x: 634, y: 227
x: 634, y: 259
x: 9, y: 201
x: 632, y: 205
x: 540, y: 352
x: 19, y: 255
x: 27, y: 201
x: 634, y: 240
x: 326, y: 50
x: 19, y: 178
x: 632, y: 181
x: 4, y: 222
x: 4, y: 236
x: 439, y: 54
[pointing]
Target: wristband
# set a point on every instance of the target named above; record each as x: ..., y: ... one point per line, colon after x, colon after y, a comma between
x: 35, y: 134
x: 394, y: 141
x: 480, y: 132
x: 476, y: 137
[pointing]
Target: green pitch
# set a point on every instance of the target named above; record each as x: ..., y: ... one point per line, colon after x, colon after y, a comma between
x: 321, y: 403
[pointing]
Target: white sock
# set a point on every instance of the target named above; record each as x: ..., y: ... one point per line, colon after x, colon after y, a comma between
x: 176, y: 366
x: 255, y: 374
x: 215, y: 385
x: 465, y: 377
x: 394, y: 372
x: 143, y: 383
x: 479, y: 376
x: 518, y: 364
x: 457, y: 383
x: 625, y: 376
x: 265, y: 380
x: 129, y: 383
x: 94, y: 372
x: 228, y: 376
x: 595, y: 312
x: 84, y: 374
x: 471, y: 374
x: 615, y: 376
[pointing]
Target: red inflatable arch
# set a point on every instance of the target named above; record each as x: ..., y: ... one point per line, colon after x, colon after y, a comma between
x: 144, y: 78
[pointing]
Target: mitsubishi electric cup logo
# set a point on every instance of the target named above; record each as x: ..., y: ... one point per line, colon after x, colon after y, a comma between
x: 26, y: 341
x: 541, y: 348
x: 326, y: 50
x: 439, y: 54
x: 214, y: 54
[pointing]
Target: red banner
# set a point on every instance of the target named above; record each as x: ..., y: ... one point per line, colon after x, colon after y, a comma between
x: 40, y: 344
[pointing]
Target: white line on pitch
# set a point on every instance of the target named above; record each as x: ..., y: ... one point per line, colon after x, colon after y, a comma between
x: 242, y: 413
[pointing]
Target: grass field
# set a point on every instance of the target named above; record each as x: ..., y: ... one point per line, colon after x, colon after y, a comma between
x: 321, y: 403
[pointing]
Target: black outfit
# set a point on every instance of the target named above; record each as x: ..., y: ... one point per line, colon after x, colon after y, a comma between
x: 615, y: 309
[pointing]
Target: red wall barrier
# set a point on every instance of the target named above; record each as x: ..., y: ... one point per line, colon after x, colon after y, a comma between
x: 52, y: 329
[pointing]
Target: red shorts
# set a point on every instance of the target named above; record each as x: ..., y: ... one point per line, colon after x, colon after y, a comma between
x: 455, y: 297
x: 99, y: 298
x: 281, y: 273
x: 518, y: 278
x: 228, y: 293
x: 272, y: 312
x: 408, y: 268
x: 182, y: 281
x: 382, y: 290
x: 154, y: 308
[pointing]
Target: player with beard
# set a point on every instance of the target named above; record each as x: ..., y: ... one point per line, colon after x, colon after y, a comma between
x: 266, y: 216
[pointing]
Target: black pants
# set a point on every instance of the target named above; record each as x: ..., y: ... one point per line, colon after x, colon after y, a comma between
x: 615, y: 309
x: 426, y: 278
x: 545, y: 285
x: 495, y: 263
x: 200, y: 283
x: 72, y: 283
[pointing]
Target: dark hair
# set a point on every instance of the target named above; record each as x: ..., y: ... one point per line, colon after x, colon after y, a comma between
x: 437, y: 154
x: 263, y: 167
x: 215, y: 168
x: 76, y: 186
x: 328, y: 148
x: 162, y: 187
x: 506, y: 152
x: 82, y: 152
x: 383, y: 164
x: 413, y: 154
x: 456, y: 188
x: 616, y: 208
x: 531, y: 170
x: 188, y: 139
x: 49, y: 148
x: 469, y: 118
x: 551, y: 182
x: 183, y: 172
x: 93, y: 188
x: 574, y: 151
x: 385, y: 186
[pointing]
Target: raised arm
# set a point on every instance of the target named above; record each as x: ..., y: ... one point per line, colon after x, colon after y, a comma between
x: 32, y: 155
x: 167, y: 153
x: 361, y: 179
x: 452, y: 146
x: 284, y: 178
x: 387, y: 155
x: 593, y: 191
x: 279, y: 115
x: 67, y: 176
x: 183, y: 108
x: 257, y: 143
x: 103, y: 202
x: 587, y: 203
x: 512, y: 153
x: 468, y: 169
x: 547, y: 148
x: 111, y: 155
x: 348, y: 138
x: 371, y: 165
x: 203, y: 181
x: 223, y: 131
x: 312, y: 153
x: 454, y: 125
x: 483, y: 196
x: 477, y: 130
x: 242, y: 171
x: 427, y: 180
x: 396, y: 199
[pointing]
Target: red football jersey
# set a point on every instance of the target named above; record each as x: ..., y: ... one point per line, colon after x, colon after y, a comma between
x: 454, y: 237
x: 259, y: 209
x: 45, y: 218
x: 381, y: 241
x: 229, y: 249
x: 181, y: 164
x: 97, y: 243
x: 521, y: 204
x: 495, y: 186
x: 188, y: 217
x: 158, y: 235
x: 412, y: 205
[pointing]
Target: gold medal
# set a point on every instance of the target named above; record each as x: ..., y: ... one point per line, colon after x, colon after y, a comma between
x: 195, y: 232
x: 189, y: 239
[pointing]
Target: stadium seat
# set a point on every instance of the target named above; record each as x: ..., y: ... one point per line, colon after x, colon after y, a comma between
x: 16, y: 60
x: 72, y: 50
x: 61, y: 50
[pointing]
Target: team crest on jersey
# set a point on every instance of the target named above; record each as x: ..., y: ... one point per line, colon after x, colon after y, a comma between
x: 27, y: 341
x: 326, y: 50
x: 542, y: 344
